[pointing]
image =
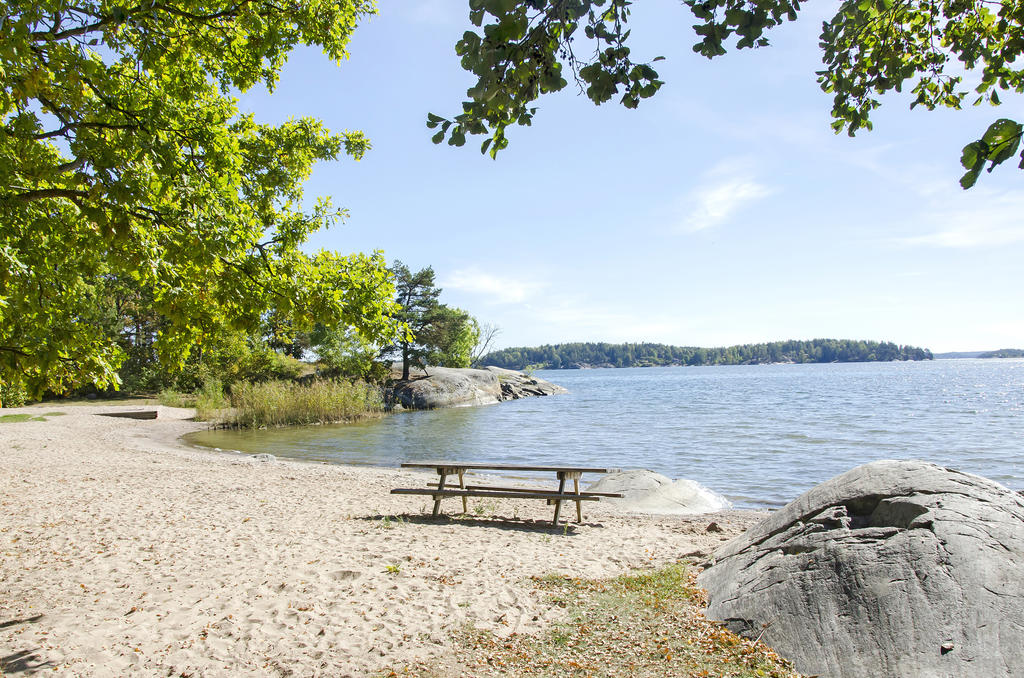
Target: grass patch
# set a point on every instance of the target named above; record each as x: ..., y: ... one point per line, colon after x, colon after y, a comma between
x: 281, y: 403
x: 15, y: 418
x: 647, y: 624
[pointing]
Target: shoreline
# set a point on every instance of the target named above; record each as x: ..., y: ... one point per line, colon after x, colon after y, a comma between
x: 125, y: 550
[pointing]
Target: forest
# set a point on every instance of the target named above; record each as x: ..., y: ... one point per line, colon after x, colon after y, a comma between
x: 589, y: 354
x: 1004, y: 353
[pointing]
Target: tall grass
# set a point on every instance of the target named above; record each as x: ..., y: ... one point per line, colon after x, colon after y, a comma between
x: 209, y: 400
x: 282, y: 403
x: 171, y: 398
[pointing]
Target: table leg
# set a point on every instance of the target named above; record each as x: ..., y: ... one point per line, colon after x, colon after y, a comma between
x: 440, y: 486
x: 462, y: 485
x: 579, y: 504
x: 561, y: 490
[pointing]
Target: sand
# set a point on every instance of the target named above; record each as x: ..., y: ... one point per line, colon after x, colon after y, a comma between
x: 125, y: 552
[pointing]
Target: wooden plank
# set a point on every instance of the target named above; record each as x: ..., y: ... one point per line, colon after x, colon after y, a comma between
x: 133, y: 414
x: 536, y: 489
x: 579, y: 509
x: 529, y: 494
x: 501, y: 467
x: 440, y: 486
x: 462, y: 485
x: 561, y: 491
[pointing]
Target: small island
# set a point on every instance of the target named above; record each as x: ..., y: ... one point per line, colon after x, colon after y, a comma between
x: 1004, y: 353
x: 583, y: 355
x: 1000, y: 353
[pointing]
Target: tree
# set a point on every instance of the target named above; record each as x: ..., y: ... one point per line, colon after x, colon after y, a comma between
x: 485, y: 340
x: 450, y: 336
x: 417, y: 306
x: 123, y: 157
x: 342, y: 350
x: 869, y: 47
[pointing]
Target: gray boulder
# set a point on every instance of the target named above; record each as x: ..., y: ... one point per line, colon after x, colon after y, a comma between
x: 447, y: 387
x: 515, y: 385
x: 458, y: 387
x: 649, y: 492
x: 896, y: 568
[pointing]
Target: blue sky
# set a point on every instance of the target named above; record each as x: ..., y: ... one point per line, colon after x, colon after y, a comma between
x: 722, y: 211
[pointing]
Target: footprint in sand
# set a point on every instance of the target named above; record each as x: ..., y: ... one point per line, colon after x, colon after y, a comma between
x: 345, y: 575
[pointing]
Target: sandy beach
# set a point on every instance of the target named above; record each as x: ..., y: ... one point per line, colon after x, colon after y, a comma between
x: 125, y: 552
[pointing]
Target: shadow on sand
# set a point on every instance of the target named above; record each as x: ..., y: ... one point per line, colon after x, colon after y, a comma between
x: 25, y: 660
x: 493, y: 521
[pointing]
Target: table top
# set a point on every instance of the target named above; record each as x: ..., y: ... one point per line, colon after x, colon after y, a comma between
x: 502, y: 467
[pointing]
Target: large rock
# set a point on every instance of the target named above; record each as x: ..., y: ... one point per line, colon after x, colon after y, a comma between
x: 891, y: 569
x: 515, y: 385
x: 457, y: 387
x: 650, y: 492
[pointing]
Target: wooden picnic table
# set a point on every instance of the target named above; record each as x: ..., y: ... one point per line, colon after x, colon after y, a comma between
x: 563, y: 473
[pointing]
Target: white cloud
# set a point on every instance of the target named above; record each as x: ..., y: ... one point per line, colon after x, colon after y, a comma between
x: 499, y: 289
x: 978, y: 220
x: 724, y: 190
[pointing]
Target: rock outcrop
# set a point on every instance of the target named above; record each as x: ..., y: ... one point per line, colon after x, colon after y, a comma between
x: 455, y: 387
x: 650, y: 492
x: 515, y: 385
x: 891, y: 569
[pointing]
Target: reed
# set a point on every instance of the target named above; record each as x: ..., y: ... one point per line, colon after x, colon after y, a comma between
x: 209, y: 401
x: 282, y: 403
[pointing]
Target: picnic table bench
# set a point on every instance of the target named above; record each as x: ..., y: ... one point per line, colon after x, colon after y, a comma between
x: 444, y: 469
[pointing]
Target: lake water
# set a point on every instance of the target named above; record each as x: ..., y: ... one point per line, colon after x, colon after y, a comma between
x: 759, y: 434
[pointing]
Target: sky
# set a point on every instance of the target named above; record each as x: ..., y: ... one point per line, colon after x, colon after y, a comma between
x: 723, y: 211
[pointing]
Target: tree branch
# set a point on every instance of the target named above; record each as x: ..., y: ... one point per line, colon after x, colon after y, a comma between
x: 46, y: 193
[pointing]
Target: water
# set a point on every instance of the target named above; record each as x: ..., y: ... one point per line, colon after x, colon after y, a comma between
x: 759, y: 434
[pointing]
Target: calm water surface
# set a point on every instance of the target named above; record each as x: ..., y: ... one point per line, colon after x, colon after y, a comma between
x: 759, y: 434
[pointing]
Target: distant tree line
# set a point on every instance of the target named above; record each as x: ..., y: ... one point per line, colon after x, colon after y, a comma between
x: 576, y: 355
x: 1004, y: 353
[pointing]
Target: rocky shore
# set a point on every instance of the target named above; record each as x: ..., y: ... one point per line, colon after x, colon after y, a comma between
x: 440, y: 387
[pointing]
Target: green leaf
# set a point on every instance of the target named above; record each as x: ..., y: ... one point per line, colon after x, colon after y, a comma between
x: 973, y: 153
x: 1002, y: 139
x: 969, y: 178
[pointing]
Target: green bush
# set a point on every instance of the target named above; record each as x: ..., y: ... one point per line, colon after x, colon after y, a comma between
x: 321, y: 401
x: 171, y: 398
x: 141, y: 372
x: 210, y: 400
x: 343, y: 352
x: 12, y: 394
x: 263, y: 363
x: 227, y: 357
